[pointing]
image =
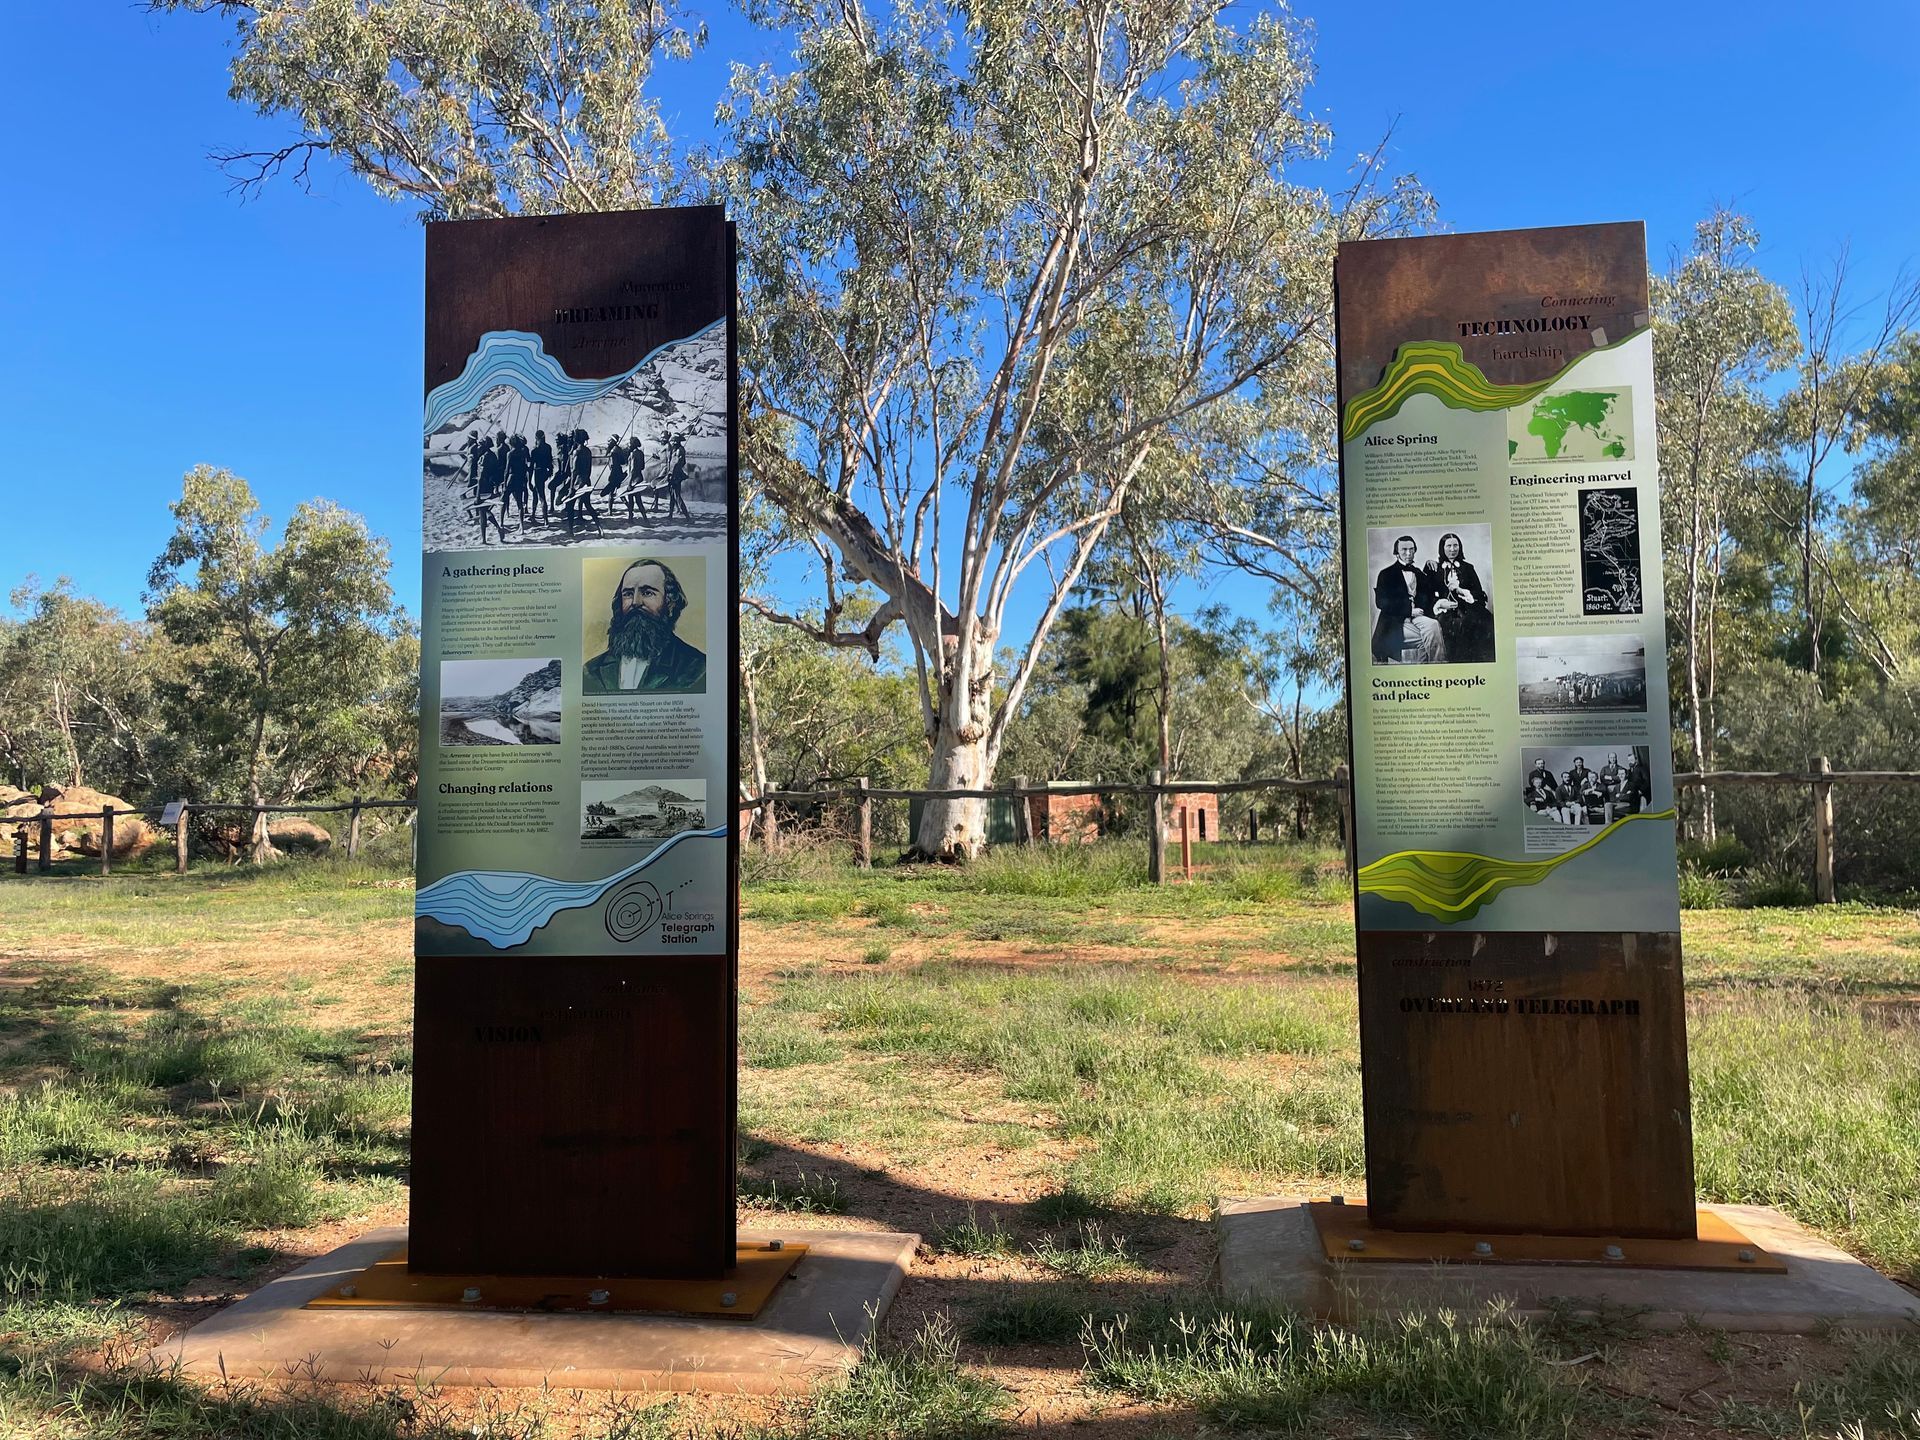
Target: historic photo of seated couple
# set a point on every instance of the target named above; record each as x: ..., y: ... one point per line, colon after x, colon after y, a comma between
x: 1432, y: 604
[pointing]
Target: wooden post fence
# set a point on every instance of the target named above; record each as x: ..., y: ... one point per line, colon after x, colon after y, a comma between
x: 1186, y: 843
x: 46, y: 843
x: 1157, y: 837
x: 106, y: 839
x: 863, y: 833
x: 769, y: 818
x: 1345, y: 791
x: 1823, y: 890
x: 180, y: 840
x: 1022, y: 812
x: 353, y: 829
x: 20, y: 852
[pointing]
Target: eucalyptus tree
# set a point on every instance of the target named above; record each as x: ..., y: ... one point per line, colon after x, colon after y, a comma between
x: 1001, y: 256
x: 285, y: 647
x: 76, y: 691
x: 1821, y: 419
x: 467, y: 107
x: 1721, y: 330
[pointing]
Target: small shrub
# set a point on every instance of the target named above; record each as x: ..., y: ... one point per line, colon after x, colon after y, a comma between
x: 1045, y: 1318
x: 1775, y: 885
x: 970, y: 1238
x: 803, y: 1195
x: 878, y: 953
x: 1091, y: 1254
x: 1450, y: 1376
x: 1704, y: 890
x: 1725, y: 857
x: 919, y: 1388
x: 114, y: 1232
x: 279, y: 1187
x: 772, y: 1041
x: 1061, y: 1206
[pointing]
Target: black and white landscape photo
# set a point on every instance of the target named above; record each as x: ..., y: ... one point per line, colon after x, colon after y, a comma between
x: 1581, y: 674
x: 641, y: 809
x: 500, y: 702
x: 518, y: 453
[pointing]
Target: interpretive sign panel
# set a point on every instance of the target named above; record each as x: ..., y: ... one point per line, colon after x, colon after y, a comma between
x: 575, y: 912
x: 1515, y: 883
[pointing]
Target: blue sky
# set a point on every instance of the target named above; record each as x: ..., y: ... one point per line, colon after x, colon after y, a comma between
x: 154, y: 320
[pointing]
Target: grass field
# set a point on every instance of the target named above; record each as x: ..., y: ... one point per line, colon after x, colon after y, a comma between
x: 1041, y: 1064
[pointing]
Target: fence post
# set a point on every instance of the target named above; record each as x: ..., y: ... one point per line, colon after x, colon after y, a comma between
x: 106, y: 839
x: 769, y: 817
x: 1823, y: 834
x: 180, y: 840
x: 1186, y: 844
x: 353, y: 829
x: 863, y: 836
x: 1022, y: 812
x: 20, y: 850
x: 1341, y: 774
x: 1253, y: 820
x: 1157, y: 839
x: 46, y: 843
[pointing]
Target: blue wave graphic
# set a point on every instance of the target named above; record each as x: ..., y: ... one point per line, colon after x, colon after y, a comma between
x: 505, y: 907
x: 518, y: 359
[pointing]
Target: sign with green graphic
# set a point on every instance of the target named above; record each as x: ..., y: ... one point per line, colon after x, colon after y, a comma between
x: 1522, y: 1018
x: 1503, y: 535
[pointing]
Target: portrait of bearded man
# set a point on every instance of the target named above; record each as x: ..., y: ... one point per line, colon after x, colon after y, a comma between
x: 644, y: 656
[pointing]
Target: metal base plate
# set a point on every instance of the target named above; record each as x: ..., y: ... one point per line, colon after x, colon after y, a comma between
x: 1346, y: 1234
x: 387, y: 1284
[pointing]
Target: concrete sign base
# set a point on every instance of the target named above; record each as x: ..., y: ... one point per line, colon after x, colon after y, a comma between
x: 815, y: 1326
x: 1270, y: 1252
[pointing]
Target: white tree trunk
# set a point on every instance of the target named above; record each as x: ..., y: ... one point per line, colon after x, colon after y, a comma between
x: 954, y: 829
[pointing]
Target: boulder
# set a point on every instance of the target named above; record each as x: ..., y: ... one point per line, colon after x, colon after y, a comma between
x: 291, y: 832
x: 132, y: 836
x: 11, y: 795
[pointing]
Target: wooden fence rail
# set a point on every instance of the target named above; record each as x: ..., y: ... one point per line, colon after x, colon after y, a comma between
x: 1820, y: 782
x: 156, y: 815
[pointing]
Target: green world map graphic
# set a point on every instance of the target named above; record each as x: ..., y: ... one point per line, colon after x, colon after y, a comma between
x: 1572, y: 425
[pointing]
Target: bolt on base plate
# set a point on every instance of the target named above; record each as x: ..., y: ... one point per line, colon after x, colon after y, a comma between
x: 1346, y: 1234
x: 387, y: 1284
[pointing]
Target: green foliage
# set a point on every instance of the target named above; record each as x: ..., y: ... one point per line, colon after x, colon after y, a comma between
x: 523, y: 107
x: 72, y: 1236
x: 1029, y: 1316
x: 294, y: 664
x: 970, y: 1238
x: 1092, y: 1252
x: 916, y: 1389
x: 76, y: 692
x: 1801, y: 1103
x: 804, y: 1194
x: 1450, y: 1375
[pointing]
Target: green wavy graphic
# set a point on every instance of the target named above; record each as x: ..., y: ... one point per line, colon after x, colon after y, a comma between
x: 1453, y: 885
x: 1440, y: 368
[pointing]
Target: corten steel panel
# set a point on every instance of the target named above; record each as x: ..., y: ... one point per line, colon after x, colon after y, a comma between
x: 1514, y: 1122
x: 576, y: 1115
x: 1562, y: 1123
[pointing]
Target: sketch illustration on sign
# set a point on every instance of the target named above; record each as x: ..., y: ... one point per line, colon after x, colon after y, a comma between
x: 1610, y: 552
x: 641, y: 809
x: 518, y: 452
